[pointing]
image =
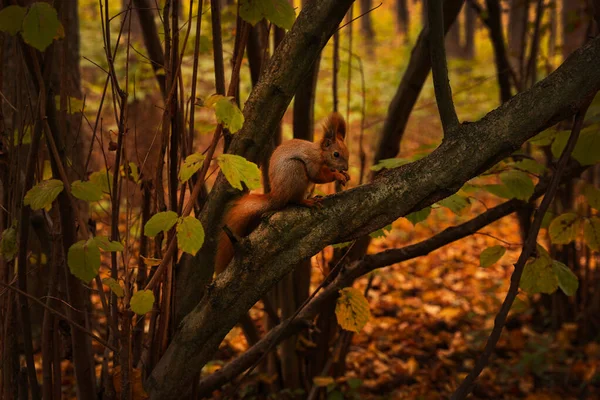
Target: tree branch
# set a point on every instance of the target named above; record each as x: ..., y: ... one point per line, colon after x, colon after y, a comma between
x: 439, y: 68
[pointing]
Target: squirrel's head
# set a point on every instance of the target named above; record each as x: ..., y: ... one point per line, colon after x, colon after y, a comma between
x: 333, y: 146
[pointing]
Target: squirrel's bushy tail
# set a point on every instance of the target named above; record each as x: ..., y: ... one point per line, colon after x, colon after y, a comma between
x: 242, y: 218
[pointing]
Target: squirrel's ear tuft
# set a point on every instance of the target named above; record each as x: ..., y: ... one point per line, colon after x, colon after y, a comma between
x: 334, y: 126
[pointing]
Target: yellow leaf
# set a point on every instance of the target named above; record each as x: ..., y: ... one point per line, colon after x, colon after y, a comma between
x: 352, y: 310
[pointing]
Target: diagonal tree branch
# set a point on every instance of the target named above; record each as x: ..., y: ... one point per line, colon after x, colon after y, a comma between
x: 439, y: 67
x: 296, y: 233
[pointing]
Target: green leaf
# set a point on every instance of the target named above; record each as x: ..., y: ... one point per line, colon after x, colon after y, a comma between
x: 229, y: 115
x: 43, y: 194
x: 456, y: 203
x: 381, y: 233
x: 162, y: 221
x: 587, y: 149
x: 567, y: 281
x: 250, y: 11
x: 103, y: 179
x: 544, y: 138
x: 389, y: 163
x: 563, y: 229
x: 142, y: 302
x: 40, y: 25
x: 8, y: 244
x: 105, y: 244
x: 190, y: 166
x: 114, y: 286
x: 529, y: 165
x: 548, y: 217
x: 279, y: 12
x: 237, y: 170
x: 559, y: 143
x: 11, y: 19
x: 419, y: 216
x: 591, y: 233
x: 86, y: 191
x: 491, y: 255
x: 227, y: 112
x: 518, y: 183
x: 592, y: 194
x: 499, y: 190
x: 352, y: 309
x: 539, y: 276
x: 190, y: 235
x: 84, y: 259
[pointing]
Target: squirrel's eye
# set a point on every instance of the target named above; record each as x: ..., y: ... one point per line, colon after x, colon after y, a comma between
x: 336, y: 154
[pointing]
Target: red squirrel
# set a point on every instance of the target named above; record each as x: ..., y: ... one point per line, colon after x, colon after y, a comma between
x: 294, y: 166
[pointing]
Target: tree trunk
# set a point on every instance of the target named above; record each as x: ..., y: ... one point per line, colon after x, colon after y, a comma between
x: 517, y: 36
x: 575, y: 19
x: 470, y: 24
x: 453, y: 45
x: 366, y: 24
x: 402, y: 18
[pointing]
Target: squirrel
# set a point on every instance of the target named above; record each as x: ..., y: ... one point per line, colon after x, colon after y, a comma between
x: 294, y: 166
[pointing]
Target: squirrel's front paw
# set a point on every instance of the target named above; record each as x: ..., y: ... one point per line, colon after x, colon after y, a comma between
x: 342, y: 177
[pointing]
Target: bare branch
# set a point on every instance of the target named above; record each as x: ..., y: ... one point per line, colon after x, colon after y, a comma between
x: 439, y: 68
